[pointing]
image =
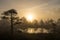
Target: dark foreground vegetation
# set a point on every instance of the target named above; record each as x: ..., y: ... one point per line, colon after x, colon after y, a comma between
x: 26, y: 36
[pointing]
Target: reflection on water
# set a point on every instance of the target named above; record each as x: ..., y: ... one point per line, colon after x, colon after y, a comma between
x: 34, y: 30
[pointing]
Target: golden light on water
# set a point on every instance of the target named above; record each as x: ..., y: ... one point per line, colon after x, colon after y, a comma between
x: 34, y: 30
x: 30, y: 30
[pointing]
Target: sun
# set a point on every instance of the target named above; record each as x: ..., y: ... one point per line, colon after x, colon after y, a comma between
x: 30, y: 17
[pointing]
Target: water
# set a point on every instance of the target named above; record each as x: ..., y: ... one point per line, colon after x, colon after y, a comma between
x: 34, y: 30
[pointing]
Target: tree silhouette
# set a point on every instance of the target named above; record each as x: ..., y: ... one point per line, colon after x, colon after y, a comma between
x: 10, y: 13
x: 58, y: 21
x: 58, y: 25
x: 54, y: 27
x: 41, y: 25
x: 35, y: 23
x: 24, y: 23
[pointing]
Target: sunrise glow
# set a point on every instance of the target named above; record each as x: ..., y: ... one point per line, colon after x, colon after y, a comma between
x: 29, y: 17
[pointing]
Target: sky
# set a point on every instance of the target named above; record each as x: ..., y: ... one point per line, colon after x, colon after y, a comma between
x: 42, y: 9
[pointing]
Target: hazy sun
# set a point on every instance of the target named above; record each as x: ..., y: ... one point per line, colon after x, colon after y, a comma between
x: 29, y: 17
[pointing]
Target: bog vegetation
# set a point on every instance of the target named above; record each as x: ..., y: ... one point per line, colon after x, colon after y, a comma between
x: 11, y: 24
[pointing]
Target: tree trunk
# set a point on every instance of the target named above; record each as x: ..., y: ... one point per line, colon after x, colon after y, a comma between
x: 11, y: 27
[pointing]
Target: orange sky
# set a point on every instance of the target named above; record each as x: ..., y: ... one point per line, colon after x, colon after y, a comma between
x: 42, y: 9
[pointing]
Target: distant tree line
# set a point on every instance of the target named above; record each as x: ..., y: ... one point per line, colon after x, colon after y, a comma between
x: 11, y: 22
